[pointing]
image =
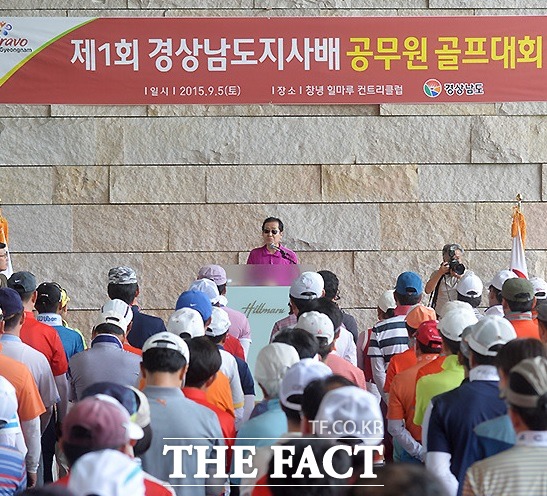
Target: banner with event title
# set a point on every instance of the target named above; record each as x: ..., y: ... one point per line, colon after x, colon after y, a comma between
x: 282, y: 60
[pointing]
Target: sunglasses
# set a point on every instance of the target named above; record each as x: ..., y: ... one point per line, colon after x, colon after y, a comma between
x: 268, y: 231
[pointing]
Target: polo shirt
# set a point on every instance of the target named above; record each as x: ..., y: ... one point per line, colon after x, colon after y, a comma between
x: 431, y: 385
x: 233, y: 346
x: 105, y: 361
x: 72, y: 341
x: 143, y: 326
x: 350, y: 324
x: 524, y: 325
x: 230, y: 370
x: 13, y: 471
x: 456, y: 413
x: 264, y: 429
x: 516, y: 471
x: 185, y: 423
x: 239, y: 324
x: 46, y: 340
x: 261, y: 256
x: 433, y: 367
x: 13, y: 347
x: 397, y: 364
x: 402, y: 397
x: 220, y: 394
x: 344, y: 368
x: 30, y: 404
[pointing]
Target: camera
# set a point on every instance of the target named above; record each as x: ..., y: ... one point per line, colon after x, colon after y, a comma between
x: 453, y: 263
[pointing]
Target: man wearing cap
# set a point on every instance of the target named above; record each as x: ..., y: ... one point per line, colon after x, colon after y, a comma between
x: 521, y: 469
x: 390, y: 336
x: 48, y: 304
x: 469, y: 289
x: 445, y: 373
x: 165, y: 359
x: 402, y: 361
x: 13, y: 472
x: 41, y: 336
x: 402, y: 399
x: 494, y: 292
x: 96, y: 423
x: 122, y: 285
x: 518, y: 300
x: 306, y: 286
x: 240, y: 327
x: 451, y: 441
x: 106, y: 360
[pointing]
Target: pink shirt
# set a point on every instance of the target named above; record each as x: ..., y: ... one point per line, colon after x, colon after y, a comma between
x: 260, y: 256
x: 342, y: 367
x: 239, y: 325
x: 288, y: 321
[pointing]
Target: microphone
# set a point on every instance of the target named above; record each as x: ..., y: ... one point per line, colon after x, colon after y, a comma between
x: 284, y: 254
x: 274, y: 247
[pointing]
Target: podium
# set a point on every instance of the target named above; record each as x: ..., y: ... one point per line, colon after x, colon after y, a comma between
x: 261, y: 292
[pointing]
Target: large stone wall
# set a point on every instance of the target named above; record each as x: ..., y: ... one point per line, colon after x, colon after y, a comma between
x: 365, y: 191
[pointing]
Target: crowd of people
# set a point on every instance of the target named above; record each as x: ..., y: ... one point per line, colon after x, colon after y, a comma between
x: 450, y: 399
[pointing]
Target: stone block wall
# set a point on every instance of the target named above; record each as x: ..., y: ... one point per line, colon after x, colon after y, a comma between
x: 365, y: 191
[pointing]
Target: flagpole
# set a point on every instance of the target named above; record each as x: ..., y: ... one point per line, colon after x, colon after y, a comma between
x: 518, y: 235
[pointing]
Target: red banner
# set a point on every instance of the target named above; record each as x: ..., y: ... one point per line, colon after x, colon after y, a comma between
x: 320, y: 60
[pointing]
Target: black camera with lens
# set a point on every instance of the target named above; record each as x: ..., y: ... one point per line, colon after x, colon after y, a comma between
x: 453, y: 263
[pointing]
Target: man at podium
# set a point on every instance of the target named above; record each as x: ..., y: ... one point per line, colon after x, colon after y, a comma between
x: 272, y: 252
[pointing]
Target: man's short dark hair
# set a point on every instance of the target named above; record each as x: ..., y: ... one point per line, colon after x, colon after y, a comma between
x: 517, y: 350
x: 520, y: 306
x: 108, y: 328
x: 273, y: 219
x: 452, y: 246
x: 73, y: 452
x: 497, y: 294
x: 408, y: 299
x: 427, y: 349
x: 315, y: 390
x: 45, y: 306
x: 221, y: 288
x: 453, y: 346
x: 25, y: 297
x: 163, y: 360
x: 331, y: 283
x: 299, y: 303
x: 124, y: 292
x: 326, y: 306
x: 474, y: 301
x: 486, y: 359
x: 305, y: 343
x: 206, y: 361
x: 13, y: 321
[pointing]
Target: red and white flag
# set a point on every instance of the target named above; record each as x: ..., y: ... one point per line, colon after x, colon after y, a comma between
x: 518, y: 233
x: 4, y: 239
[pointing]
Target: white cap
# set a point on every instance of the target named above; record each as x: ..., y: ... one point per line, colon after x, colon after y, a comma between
x: 318, y: 324
x: 452, y: 305
x: 167, y: 340
x: 8, y: 401
x: 208, y: 287
x: 488, y: 332
x: 307, y: 286
x: 106, y: 473
x: 351, y: 412
x: 220, y: 323
x: 540, y: 287
x: 470, y: 285
x: 456, y: 320
x: 134, y: 430
x: 116, y: 312
x: 186, y: 320
x: 387, y: 300
x: 272, y: 363
x: 298, y: 377
x: 501, y: 277
x: 142, y: 417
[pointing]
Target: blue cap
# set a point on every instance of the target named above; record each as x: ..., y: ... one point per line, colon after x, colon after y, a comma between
x: 196, y: 300
x: 123, y: 394
x: 409, y: 283
x: 10, y: 302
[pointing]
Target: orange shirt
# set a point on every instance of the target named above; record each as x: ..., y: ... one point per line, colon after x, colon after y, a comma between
x: 132, y: 349
x: 45, y: 339
x: 397, y: 364
x: 524, y: 327
x: 402, y: 396
x: 431, y: 368
x: 28, y: 397
x: 220, y: 394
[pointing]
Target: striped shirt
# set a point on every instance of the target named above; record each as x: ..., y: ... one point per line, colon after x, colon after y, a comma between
x: 516, y: 471
x: 13, y: 472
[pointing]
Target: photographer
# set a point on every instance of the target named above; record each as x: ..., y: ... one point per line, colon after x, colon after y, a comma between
x: 443, y: 281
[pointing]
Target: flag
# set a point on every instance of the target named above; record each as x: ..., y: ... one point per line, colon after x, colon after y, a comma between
x: 4, y: 239
x: 518, y: 233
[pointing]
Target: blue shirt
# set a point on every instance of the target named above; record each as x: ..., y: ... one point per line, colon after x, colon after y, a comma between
x: 72, y: 341
x: 453, y: 418
x: 495, y: 435
x: 13, y: 472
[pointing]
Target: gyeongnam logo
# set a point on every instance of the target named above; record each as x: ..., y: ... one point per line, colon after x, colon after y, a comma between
x: 10, y: 43
x: 433, y: 88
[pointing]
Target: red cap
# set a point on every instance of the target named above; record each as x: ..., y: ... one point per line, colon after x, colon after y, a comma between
x: 428, y: 334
